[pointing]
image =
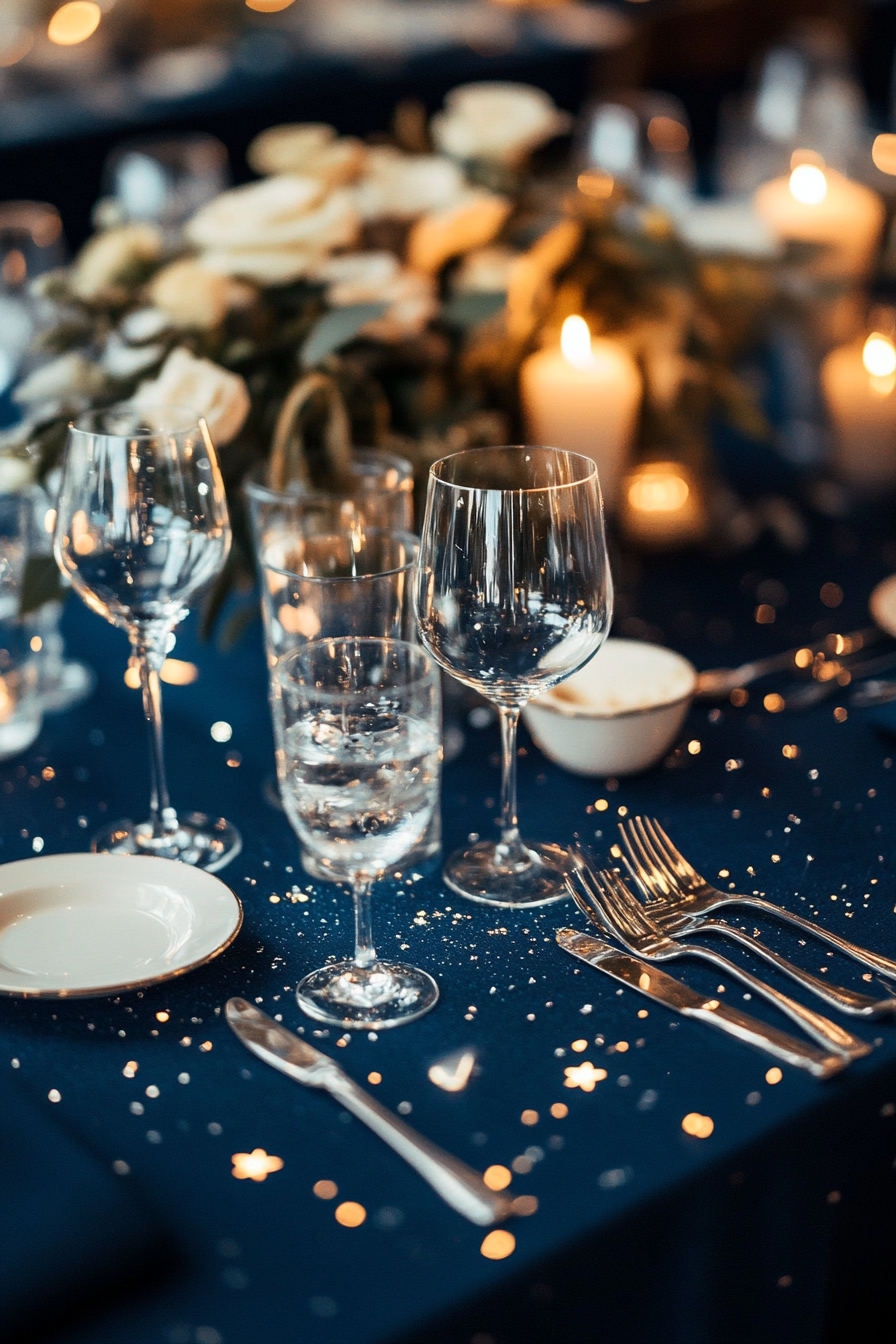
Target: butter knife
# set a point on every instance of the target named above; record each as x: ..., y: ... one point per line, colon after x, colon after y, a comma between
x: 662, y: 988
x: 459, y: 1185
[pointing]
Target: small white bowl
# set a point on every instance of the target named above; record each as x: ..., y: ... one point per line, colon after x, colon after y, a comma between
x: 619, y: 714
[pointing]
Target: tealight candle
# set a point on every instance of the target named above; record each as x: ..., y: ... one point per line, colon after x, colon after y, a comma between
x: 859, y: 385
x: 815, y: 204
x: 661, y: 505
x: 584, y: 398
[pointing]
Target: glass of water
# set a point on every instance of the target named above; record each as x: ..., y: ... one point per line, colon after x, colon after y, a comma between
x: 358, y: 728
x: 142, y: 530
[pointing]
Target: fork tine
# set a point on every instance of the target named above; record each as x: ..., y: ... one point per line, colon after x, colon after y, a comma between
x: 674, y: 859
x: 581, y: 886
x: 651, y: 875
x: 621, y: 907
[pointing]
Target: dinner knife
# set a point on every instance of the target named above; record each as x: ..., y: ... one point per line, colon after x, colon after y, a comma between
x: 459, y: 1185
x: 664, y: 989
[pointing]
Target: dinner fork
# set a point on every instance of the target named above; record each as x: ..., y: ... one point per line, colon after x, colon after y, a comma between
x: 691, y: 893
x: 608, y: 903
x: 647, y: 865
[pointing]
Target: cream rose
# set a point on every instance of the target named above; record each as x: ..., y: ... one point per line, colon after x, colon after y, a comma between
x: 67, y: 380
x: 500, y: 122
x: 219, y: 396
x: 486, y: 270
x: 471, y: 222
x: 403, y: 186
x: 190, y: 295
x: 107, y: 258
x: 310, y: 149
x: 378, y: 277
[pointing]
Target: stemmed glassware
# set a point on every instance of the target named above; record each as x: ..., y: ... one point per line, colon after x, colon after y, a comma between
x: 141, y: 529
x: 358, y: 730
x: 513, y: 595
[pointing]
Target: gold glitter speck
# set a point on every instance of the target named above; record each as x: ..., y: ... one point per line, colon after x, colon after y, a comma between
x: 206, y: 1046
x: 774, y: 1075
x: 162, y: 1016
x: 525, y: 1205
x: 350, y: 1214
x: 529, y: 1118
x: 642, y: 1012
x: 325, y: 1189
x: 559, y: 1110
x: 698, y: 1126
x: 54, y: 1095
x: 255, y: 1166
x: 374, y: 1077
x: 130, y: 1068
x: 497, y: 1177
x: 498, y: 1244
x: 579, y: 1046
x: 585, y: 1076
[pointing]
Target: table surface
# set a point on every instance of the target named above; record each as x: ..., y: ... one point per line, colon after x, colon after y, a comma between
x: 812, y: 828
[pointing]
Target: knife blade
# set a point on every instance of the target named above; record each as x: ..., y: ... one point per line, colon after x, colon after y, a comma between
x: 459, y: 1185
x: 671, y: 993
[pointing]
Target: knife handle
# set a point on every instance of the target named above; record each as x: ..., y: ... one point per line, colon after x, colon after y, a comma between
x: 459, y: 1185
x: 774, y: 1042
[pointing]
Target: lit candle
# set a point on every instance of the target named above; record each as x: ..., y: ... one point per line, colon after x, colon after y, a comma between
x: 661, y: 505
x: 859, y: 386
x: 584, y: 398
x: 818, y: 205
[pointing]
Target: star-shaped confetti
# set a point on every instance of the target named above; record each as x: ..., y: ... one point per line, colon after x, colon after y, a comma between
x: 585, y: 1076
x: 255, y: 1166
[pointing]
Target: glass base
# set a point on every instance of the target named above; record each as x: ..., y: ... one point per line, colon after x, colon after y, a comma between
x: 197, y: 840
x: 481, y: 873
x: 386, y: 994
x: 66, y: 687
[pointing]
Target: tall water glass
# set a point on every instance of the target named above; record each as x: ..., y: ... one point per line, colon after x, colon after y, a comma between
x: 358, y: 727
x: 513, y: 595
x: 142, y: 529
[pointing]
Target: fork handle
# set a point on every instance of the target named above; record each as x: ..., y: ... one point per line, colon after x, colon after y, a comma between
x: 847, y: 1000
x: 820, y: 1028
x: 873, y: 960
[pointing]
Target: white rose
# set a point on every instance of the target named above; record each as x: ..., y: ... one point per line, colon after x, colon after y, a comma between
x: 219, y: 396
x: 501, y: 122
x: 378, y: 277
x: 68, y: 379
x: 443, y: 234
x: 190, y: 295
x: 310, y: 149
x: 281, y: 211
x: 107, y: 257
x: 486, y: 270
x: 402, y: 186
x: 124, y: 361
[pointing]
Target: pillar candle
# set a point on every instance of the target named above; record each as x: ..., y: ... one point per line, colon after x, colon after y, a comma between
x: 584, y: 398
x: 859, y: 386
x: 818, y: 205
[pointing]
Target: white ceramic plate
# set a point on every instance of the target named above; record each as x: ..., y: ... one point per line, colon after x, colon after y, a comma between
x: 80, y: 924
x: 882, y: 604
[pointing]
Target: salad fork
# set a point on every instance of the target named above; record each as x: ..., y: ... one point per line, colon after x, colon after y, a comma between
x: 646, y: 865
x: 685, y: 891
x: 608, y: 903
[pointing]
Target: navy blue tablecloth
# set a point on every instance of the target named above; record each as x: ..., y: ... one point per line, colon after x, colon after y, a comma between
x: 774, y: 1227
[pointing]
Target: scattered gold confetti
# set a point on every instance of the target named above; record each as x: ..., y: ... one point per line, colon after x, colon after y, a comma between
x: 621, y: 1046
x: 350, y: 1214
x: 54, y: 1095
x: 739, y: 697
x: 601, y: 804
x: 162, y: 1016
x: 130, y: 1068
x: 254, y: 1166
x: 694, y: 747
x: 529, y: 1118
x: 374, y: 1077
x: 559, y: 1110
x: 699, y: 1126
x: 325, y: 1189
x: 579, y: 1046
x: 790, y: 750
x: 497, y: 1177
x: 831, y: 594
x: 184, y: 1040
x: 776, y: 858
x: 774, y: 703
x: 585, y: 1076
x: 206, y: 1046
x: 498, y: 1245
x: 642, y: 1012
x: 274, y: 900
x: 48, y: 772
x: 840, y: 714
x: 774, y: 1075
x: 765, y: 614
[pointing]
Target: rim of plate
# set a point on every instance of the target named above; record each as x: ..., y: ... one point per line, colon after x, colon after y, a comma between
x: 104, y: 991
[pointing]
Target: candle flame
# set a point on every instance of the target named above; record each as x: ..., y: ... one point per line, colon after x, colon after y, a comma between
x: 879, y: 355
x: 808, y: 184
x: 658, y: 489
x: 575, y: 342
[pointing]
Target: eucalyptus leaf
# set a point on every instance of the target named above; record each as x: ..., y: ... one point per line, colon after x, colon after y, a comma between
x: 41, y: 583
x: 336, y: 329
x: 468, y: 310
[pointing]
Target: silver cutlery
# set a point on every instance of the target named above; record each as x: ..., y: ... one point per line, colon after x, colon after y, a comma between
x: 671, y: 993
x: 804, y: 697
x: 693, y: 895
x: 876, y: 691
x: 608, y: 903
x: 717, y: 682
x: 647, y: 868
x: 459, y: 1185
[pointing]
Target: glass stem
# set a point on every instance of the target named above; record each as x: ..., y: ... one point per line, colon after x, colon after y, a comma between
x: 149, y: 659
x: 511, y: 849
x: 365, y: 952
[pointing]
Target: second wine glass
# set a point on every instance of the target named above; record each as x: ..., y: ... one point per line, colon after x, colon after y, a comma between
x: 142, y: 529
x: 513, y: 595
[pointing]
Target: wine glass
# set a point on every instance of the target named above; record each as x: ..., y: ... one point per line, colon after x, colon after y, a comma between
x: 141, y: 529
x: 358, y: 728
x: 513, y: 595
